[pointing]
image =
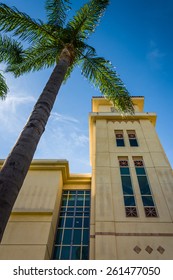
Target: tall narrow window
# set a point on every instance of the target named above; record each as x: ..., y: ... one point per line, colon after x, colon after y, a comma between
x: 72, y: 239
x: 147, y: 199
x: 119, y: 138
x: 132, y: 138
x: 128, y: 194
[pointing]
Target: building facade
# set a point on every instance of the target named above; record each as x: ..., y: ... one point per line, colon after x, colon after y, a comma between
x: 122, y: 210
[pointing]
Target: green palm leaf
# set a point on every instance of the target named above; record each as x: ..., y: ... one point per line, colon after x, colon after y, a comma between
x: 88, y: 17
x: 10, y: 50
x: 35, y: 59
x: 3, y: 87
x: 56, y: 11
x: 21, y: 24
x: 102, y: 74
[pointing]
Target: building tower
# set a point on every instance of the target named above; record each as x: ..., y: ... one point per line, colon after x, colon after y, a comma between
x: 123, y: 210
x: 132, y: 185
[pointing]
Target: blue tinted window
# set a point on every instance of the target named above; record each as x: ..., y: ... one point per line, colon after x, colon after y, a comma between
x: 147, y: 201
x: 120, y: 142
x: 127, y: 185
x: 129, y: 200
x: 144, y: 187
x: 128, y: 194
x: 76, y: 253
x: 72, y: 238
x: 65, y: 253
x: 133, y: 142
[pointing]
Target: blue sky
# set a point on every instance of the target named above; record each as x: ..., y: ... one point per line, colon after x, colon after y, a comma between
x: 137, y: 37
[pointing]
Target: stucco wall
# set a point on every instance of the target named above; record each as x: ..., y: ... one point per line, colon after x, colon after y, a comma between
x: 31, y: 229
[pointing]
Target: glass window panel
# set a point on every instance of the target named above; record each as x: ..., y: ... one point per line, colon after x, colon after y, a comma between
x: 143, y: 184
x: 71, y: 209
x: 69, y: 214
x: 85, y: 253
x: 86, y: 214
x: 77, y: 236
x: 129, y: 201
x: 80, y: 200
x: 133, y: 142
x: 65, y: 253
x: 120, y: 142
x: 87, y: 200
x: 64, y: 200
x: 67, y: 237
x: 61, y: 222
x: 79, y: 209
x: 85, y: 236
x: 86, y: 222
x: 71, y: 200
x: 78, y: 222
x: 127, y: 185
x: 80, y: 192
x: 72, y: 192
x: 76, y: 253
x: 62, y: 214
x: 147, y: 201
x: 69, y: 222
x: 56, y: 253
x: 65, y: 192
x: 140, y: 171
x: 59, y: 236
x: 79, y: 214
x: 124, y: 171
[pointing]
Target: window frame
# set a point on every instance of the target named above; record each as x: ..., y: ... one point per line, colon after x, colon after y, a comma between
x: 119, y: 136
x: 131, y: 208
x: 147, y: 198
x: 132, y: 138
x: 73, y: 226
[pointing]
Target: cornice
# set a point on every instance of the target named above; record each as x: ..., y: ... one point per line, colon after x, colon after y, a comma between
x: 116, y: 116
x: 58, y: 165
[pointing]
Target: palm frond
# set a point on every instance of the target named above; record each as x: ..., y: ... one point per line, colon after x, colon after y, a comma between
x: 88, y: 17
x: 34, y: 59
x: 10, y: 50
x: 56, y: 11
x: 21, y: 24
x: 101, y: 73
x: 3, y: 87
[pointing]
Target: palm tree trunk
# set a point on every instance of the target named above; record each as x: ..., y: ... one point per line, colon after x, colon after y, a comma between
x: 17, y: 164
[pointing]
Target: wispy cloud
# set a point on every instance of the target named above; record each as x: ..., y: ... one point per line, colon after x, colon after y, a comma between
x: 63, y: 118
x: 14, y: 111
x: 64, y: 138
x: 155, y: 55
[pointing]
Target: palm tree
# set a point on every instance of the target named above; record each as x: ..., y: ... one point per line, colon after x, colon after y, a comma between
x: 10, y: 52
x: 63, y: 46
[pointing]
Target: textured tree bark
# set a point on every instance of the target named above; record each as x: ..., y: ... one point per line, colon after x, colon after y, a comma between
x: 17, y: 164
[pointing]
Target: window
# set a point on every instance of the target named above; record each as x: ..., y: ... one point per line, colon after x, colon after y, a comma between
x: 128, y: 195
x: 132, y: 138
x: 119, y: 138
x: 72, y: 238
x: 147, y: 199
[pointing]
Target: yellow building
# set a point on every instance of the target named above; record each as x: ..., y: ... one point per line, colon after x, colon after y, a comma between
x: 123, y: 210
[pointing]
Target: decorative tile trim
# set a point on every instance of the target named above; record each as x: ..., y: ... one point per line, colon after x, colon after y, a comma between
x: 161, y: 250
x: 148, y: 249
x: 137, y: 249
